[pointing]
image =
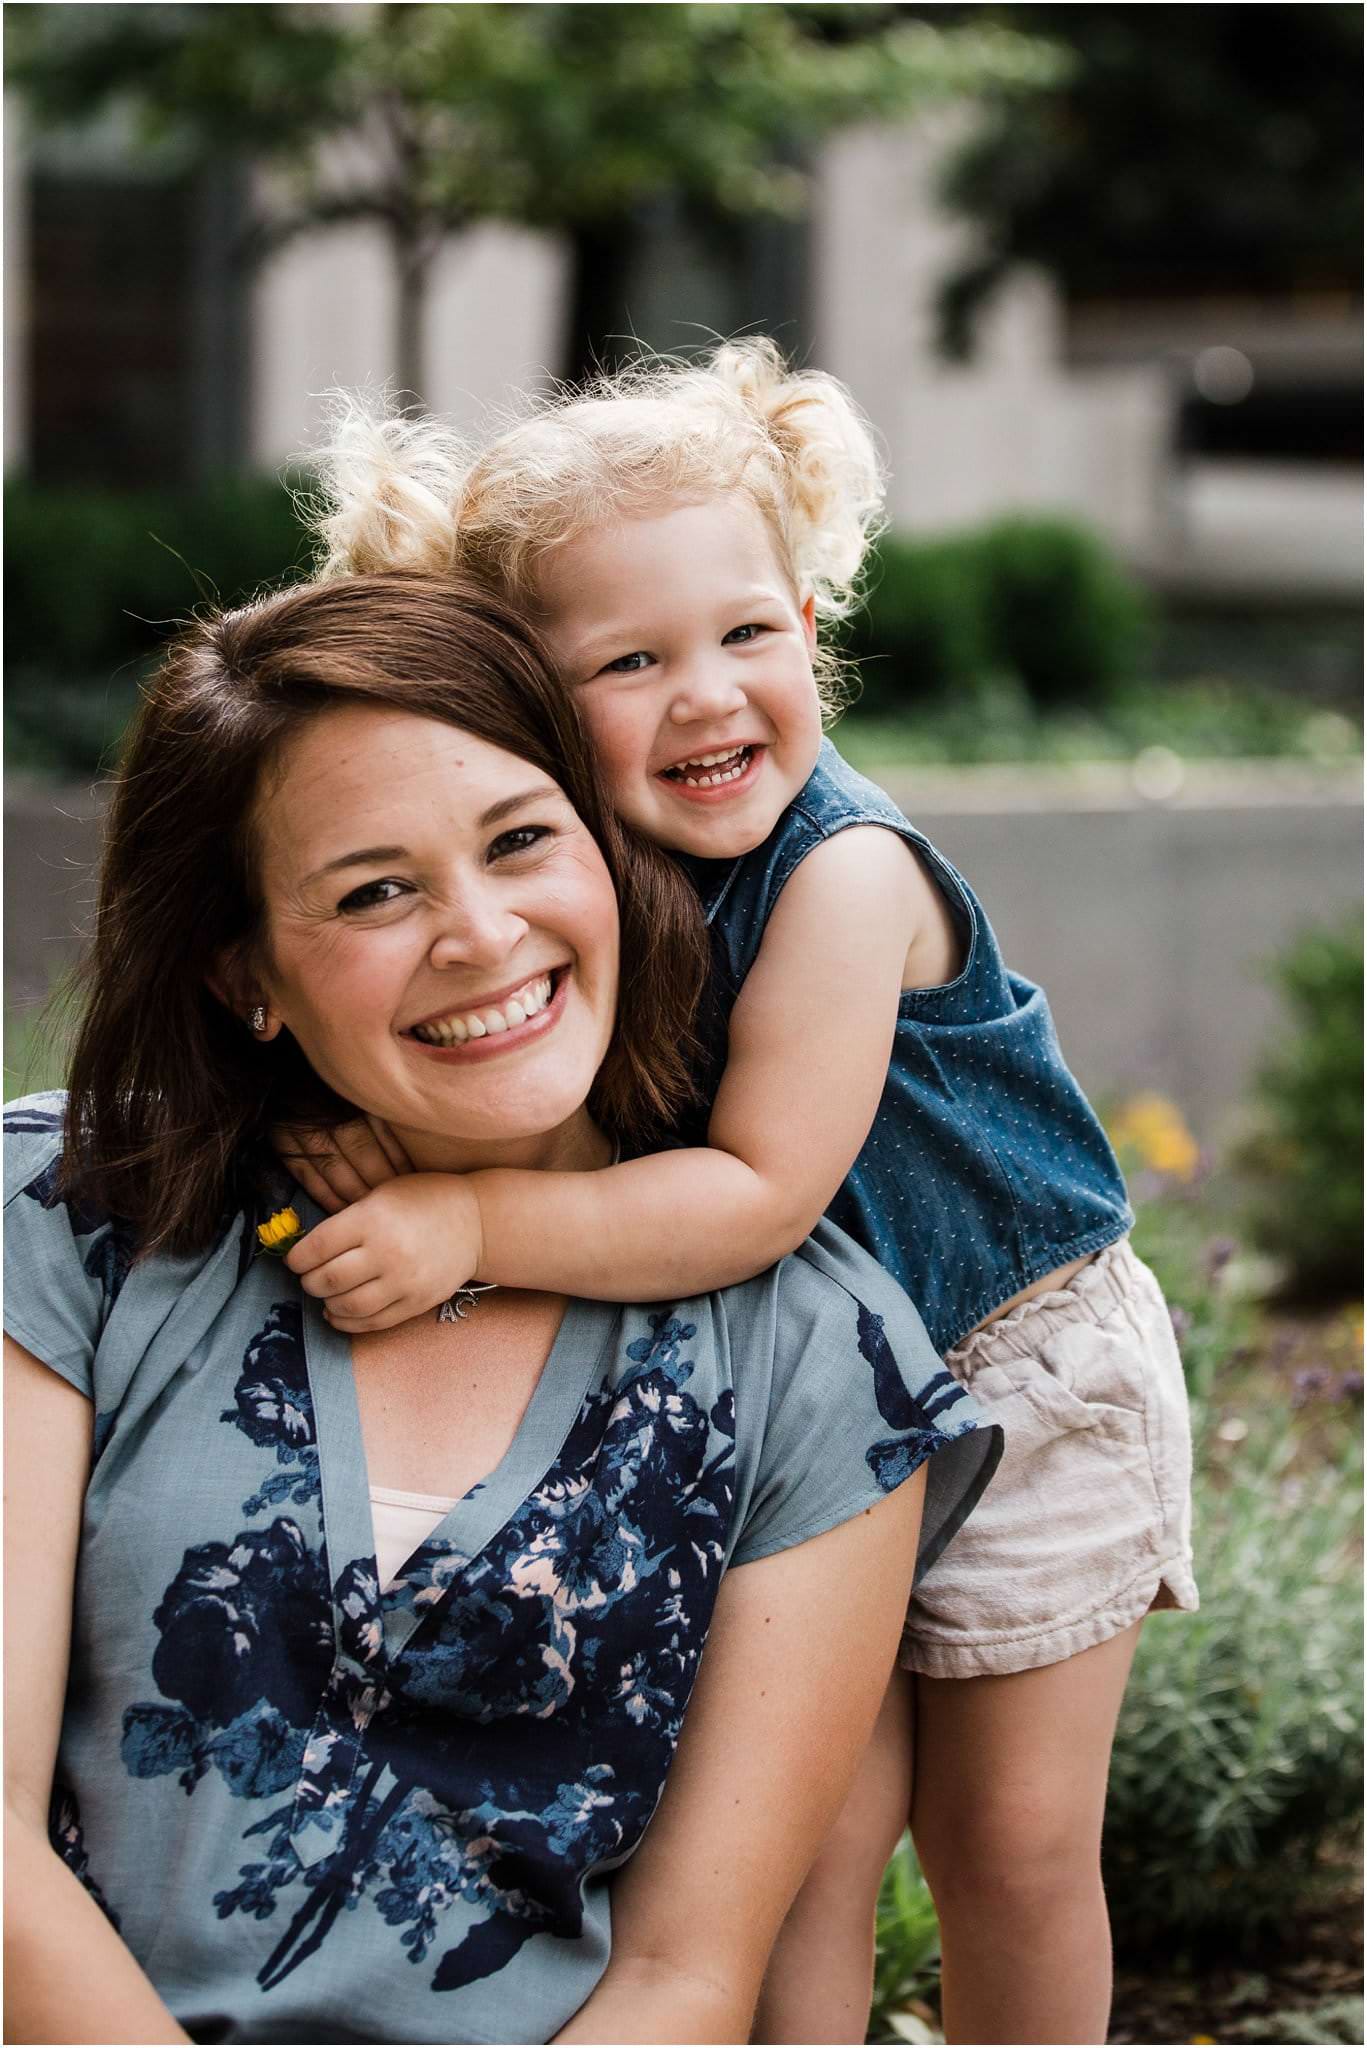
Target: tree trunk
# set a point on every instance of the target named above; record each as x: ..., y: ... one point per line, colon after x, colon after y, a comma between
x: 412, y: 268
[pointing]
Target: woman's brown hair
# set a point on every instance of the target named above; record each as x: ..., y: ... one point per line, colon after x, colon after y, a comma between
x: 170, y: 1097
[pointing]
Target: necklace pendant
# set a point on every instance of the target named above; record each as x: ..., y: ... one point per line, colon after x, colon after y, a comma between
x: 463, y: 1300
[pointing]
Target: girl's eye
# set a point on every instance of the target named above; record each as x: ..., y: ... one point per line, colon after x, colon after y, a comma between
x: 626, y: 664
x: 370, y: 897
x: 521, y: 839
x: 750, y: 633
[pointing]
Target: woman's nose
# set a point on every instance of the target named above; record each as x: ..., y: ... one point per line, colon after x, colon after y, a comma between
x: 478, y: 931
x: 708, y: 691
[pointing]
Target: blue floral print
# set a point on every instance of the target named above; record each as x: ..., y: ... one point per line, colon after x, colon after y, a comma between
x: 621, y: 1545
x: 920, y: 1417
x: 275, y: 1408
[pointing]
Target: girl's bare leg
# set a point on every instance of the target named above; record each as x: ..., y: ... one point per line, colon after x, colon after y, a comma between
x: 819, y: 1982
x: 1010, y: 1788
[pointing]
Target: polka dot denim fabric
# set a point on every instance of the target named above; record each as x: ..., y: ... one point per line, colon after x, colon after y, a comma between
x: 986, y: 1167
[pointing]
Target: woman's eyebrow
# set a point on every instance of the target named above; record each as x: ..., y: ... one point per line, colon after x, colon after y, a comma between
x: 364, y: 856
x: 370, y: 856
x: 507, y: 804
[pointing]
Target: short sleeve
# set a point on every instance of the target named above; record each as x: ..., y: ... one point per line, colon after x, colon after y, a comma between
x: 61, y: 1260
x: 859, y: 1400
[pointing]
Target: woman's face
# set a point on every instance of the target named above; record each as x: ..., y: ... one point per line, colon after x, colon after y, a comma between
x: 441, y: 933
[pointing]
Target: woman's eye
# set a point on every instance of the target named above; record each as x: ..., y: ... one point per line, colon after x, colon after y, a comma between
x: 521, y: 839
x: 371, y: 895
x: 749, y: 632
x: 626, y: 664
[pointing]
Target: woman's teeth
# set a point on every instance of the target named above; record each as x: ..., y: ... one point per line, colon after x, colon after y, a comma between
x: 723, y: 767
x: 487, y: 1023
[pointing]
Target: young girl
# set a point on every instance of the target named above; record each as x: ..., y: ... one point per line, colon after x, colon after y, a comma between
x: 679, y: 533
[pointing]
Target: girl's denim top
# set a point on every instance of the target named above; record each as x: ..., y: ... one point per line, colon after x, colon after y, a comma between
x: 986, y: 1167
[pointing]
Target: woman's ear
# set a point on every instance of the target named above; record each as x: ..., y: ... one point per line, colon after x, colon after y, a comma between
x: 226, y: 981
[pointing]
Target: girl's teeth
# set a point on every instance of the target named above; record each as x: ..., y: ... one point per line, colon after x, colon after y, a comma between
x: 741, y: 757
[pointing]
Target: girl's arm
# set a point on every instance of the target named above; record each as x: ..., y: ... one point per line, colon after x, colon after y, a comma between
x: 810, y: 1040
x: 68, y: 1977
x: 811, y: 1036
x: 796, y: 1665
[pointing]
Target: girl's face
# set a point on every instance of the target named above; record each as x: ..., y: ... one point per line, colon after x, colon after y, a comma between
x: 692, y: 659
x: 441, y: 935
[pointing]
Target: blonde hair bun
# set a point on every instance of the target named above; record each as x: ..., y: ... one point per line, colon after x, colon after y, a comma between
x: 386, y: 491
x: 834, y: 475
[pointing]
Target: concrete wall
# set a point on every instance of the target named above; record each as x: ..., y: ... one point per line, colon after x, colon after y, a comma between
x: 1147, y: 922
x: 1151, y: 923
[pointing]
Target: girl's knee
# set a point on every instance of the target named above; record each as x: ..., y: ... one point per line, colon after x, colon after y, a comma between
x: 1013, y: 1872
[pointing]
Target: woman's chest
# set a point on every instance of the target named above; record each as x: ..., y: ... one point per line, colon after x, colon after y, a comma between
x: 439, y: 1404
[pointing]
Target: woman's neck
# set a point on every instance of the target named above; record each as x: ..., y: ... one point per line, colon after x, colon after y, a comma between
x: 577, y: 1146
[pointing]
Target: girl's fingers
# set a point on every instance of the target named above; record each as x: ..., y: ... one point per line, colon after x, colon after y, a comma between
x: 363, y: 1155
x: 340, y: 1275
x: 365, y: 1304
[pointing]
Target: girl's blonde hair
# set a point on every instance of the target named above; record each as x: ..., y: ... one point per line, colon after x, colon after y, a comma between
x: 398, y: 492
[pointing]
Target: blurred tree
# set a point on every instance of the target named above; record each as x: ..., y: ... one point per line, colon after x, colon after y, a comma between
x: 425, y: 119
x: 1188, y: 150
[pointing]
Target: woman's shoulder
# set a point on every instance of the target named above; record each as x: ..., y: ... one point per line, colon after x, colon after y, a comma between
x: 34, y: 1127
x: 71, y: 1266
x: 846, y: 1397
x: 830, y: 1283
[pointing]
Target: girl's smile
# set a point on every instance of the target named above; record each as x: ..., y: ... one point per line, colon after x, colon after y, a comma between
x: 692, y: 656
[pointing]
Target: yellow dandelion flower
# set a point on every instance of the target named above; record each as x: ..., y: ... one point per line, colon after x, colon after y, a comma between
x: 279, y: 1233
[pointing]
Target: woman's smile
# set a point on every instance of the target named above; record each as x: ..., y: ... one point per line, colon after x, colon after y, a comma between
x: 495, y: 1025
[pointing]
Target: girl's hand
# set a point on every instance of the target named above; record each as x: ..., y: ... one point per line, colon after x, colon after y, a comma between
x: 341, y: 1165
x: 392, y: 1255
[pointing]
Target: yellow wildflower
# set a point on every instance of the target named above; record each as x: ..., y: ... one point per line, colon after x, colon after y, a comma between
x: 1153, y: 1129
x: 279, y: 1233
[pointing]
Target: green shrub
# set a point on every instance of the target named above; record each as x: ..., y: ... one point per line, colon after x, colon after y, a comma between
x: 1239, y: 1751
x: 921, y: 632
x: 94, y: 580
x: 1039, y: 604
x: 1060, y: 612
x: 1304, y: 1156
x: 907, y: 1968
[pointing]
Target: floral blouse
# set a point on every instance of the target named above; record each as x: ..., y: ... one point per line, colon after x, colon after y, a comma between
x: 319, y: 1812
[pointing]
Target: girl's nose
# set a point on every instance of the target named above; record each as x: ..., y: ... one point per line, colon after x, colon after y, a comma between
x: 478, y: 931
x: 708, y: 692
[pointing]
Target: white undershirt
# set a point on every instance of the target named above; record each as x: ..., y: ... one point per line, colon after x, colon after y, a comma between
x: 401, y: 1522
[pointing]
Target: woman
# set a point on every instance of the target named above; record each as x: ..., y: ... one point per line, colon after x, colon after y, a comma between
x: 355, y: 824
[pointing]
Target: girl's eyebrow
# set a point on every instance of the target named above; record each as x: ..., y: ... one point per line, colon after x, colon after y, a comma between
x: 371, y: 856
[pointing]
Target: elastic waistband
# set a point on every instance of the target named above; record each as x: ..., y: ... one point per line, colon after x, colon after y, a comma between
x: 1107, y: 1280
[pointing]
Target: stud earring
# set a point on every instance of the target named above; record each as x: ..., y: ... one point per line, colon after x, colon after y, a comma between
x: 258, y: 1017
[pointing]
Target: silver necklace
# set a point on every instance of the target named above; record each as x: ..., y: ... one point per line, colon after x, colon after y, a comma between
x: 463, y: 1300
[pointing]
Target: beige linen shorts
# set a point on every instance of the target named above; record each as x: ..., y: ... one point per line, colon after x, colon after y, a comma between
x: 1086, y: 1524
